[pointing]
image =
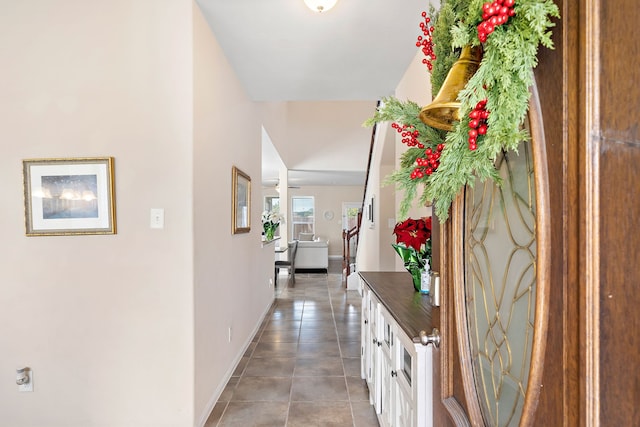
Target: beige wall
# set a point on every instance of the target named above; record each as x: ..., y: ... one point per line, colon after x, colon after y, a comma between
x: 375, y: 252
x: 329, y: 126
x: 129, y: 329
x: 327, y: 198
x: 330, y: 198
x: 232, y: 272
x: 105, y: 322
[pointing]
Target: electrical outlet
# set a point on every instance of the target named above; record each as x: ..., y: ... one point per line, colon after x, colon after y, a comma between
x: 157, y: 218
x: 27, y: 387
x: 229, y: 333
x: 270, y: 282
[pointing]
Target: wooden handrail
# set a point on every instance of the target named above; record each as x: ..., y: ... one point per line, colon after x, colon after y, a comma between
x: 347, y: 235
x: 354, y: 232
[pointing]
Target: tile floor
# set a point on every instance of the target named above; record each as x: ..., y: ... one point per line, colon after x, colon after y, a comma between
x: 302, y: 368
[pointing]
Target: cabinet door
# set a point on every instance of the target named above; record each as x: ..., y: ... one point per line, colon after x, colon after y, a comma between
x: 365, y: 336
x: 404, y: 365
x: 387, y: 397
x: 404, y: 406
x: 409, y: 363
x: 373, y: 379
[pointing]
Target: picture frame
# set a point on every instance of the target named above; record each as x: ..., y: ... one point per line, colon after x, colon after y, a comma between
x: 241, y: 201
x: 69, y: 196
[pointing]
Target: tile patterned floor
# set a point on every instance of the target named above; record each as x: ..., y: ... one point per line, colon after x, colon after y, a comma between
x: 302, y: 368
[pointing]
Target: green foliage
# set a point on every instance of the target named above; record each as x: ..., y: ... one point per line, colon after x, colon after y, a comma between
x: 504, y: 78
x: 397, y: 111
x: 446, y: 55
x: 407, y: 112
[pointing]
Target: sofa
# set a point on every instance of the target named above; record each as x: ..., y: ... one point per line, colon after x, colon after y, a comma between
x: 312, y: 254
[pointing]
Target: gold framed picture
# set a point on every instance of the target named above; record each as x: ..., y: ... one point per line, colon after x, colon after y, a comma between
x: 241, y: 201
x: 69, y: 196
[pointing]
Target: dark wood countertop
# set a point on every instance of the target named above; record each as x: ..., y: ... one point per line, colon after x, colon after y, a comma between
x: 410, y: 309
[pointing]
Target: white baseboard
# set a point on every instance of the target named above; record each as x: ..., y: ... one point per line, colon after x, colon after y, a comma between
x: 216, y: 395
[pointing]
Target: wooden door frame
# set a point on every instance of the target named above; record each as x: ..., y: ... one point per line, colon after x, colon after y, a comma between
x: 593, y: 151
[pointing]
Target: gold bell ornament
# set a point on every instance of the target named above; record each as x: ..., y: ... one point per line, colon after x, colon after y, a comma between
x: 445, y: 109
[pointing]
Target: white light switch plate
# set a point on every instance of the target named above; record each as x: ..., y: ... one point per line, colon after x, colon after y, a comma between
x: 157, y: 218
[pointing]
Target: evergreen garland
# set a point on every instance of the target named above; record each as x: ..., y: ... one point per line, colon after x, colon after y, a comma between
x: 503, y: 79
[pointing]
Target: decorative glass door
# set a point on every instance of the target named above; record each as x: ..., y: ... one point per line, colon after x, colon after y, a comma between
x: 500, y: 286
x: 501, y: 272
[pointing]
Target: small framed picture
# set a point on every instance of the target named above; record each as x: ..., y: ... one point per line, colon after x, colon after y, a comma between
x: 69, y: 196
x: 241, y: 203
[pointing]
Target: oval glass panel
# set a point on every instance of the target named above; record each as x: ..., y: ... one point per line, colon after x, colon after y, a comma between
x: 500, y: 285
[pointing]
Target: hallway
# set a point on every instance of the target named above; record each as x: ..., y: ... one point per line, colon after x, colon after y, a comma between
x: 303, y: 366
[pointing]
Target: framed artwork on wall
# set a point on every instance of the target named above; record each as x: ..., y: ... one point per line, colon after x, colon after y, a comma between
x: 69, y: 196
x: 241, y: 201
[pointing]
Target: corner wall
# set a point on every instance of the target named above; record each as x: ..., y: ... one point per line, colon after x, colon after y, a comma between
x: 232, y: 272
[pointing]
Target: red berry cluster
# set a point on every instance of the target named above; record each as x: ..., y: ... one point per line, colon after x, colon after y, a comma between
x: 429, y: 164
x: 409, y: 135
x: 426, y: 42
x: 478, y: 123
x: 494, y: 14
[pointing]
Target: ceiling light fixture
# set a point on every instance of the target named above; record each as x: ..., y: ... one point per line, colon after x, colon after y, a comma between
x: 320, y: 5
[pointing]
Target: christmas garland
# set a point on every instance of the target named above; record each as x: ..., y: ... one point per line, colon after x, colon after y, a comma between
x: 494, y: 102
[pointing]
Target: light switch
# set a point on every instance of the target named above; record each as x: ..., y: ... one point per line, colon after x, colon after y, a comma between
x: 157, y: 218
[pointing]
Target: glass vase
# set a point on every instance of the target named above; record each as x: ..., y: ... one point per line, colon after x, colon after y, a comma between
x: 269, y: 233
x: 416, y: 276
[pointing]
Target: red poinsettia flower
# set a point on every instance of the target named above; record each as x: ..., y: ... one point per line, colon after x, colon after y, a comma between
x: 413, y: 233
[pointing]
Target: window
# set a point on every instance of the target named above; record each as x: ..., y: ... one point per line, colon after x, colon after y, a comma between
x: 302, y: 216
x: 272, y: 204
x: 350, y: 214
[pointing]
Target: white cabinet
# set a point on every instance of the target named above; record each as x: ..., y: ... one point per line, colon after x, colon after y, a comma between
x: 397, y: 370
x: 370, y: 358
x: 387, y: 373
x: 413, y: 382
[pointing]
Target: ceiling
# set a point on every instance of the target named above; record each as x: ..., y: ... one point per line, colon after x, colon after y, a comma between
x: 282, y: 51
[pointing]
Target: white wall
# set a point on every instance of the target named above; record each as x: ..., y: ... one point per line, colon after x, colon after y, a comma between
x: 329, y: 126
x: 105, y: 322
x: 375, y: 252
x: 232, y: 272
x: 129, y: 329
x: 374, y: 249
x: 329, y: 198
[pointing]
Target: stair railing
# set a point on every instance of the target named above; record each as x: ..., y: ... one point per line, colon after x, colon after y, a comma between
x: 354, y: 232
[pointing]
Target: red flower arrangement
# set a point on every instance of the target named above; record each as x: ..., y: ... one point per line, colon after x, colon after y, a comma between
x: 413, y: 244
x: 414, y: 233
